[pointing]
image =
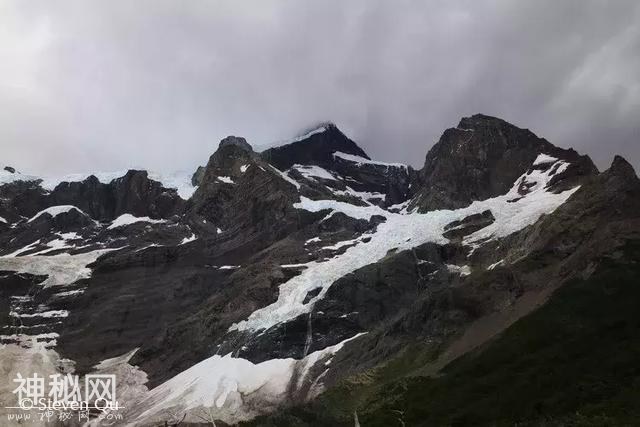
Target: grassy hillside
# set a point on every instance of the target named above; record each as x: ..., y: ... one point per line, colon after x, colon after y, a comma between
x: 573, y: 362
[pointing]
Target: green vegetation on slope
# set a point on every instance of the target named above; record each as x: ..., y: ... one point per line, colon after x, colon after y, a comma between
x: 574, y: 362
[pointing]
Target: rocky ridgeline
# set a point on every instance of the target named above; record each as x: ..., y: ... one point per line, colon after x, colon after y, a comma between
x: 283, y: 260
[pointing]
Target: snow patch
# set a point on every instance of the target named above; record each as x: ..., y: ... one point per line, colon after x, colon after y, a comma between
x: 225, y: 179
x: 298, y: 138
x: 312, y: 240
x: 7, y: 177
x: 286, y: 177
x: 365, y: 196
x: 293, y: 265
x: 180, y: 181
x: 312, y: 171
x: 363, y: 161
x: 44, y: 314
x: 228, y: 386
x: 358, y: 212
x: 126, y: 219
x: 341, y: 244
x: 188, y: 239
x: 61, y: 269
x: 55, y: 211
x: 463, y: 270
x: 495, y: 264
x: 544, y: 159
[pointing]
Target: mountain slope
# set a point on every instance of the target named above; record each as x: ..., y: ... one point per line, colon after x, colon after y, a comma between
x: 306, y: 270
x: 553, y: 367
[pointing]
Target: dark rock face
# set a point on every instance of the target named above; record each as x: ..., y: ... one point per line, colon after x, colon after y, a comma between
x: 133, y: 193
x: 468, y: 225
x: 240, y: 191
x: 236, y: 141
x: 393, y: 181
x: 386, y: 184
x: 317, y: 149
x: 21, y: 198
x: 197, y: 176
x: 481, y: 158
x: 10, y: 169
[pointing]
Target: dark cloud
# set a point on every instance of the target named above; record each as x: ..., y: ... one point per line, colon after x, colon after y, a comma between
x: 88, y: 85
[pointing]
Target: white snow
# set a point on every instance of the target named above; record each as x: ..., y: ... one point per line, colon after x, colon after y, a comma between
x: 365, y: 196
x: 180, y: 181
x: 44, y: 340
x: 51, y: 182
x: 341, y: 244
x: 7, y: 177
x: 130, y: 383
x: 313, y: 171
x: 55, y: 211
x: 544, y: 159
x: 363, y: 161
x: 14, y: 359
x: 188, y: 239
x: 70, y: 235
x: 114, y: 361
x: 358, y: 212
x: 55, y: 245
x: 293, y: 265
x: 402, y: 231
x: 45, y: 314
x: 229, y: 267
x: 298, y: 138
x: 308, y: 134
x: 61, y: 269
x: 218, y: 230
x: 463, y: 270
x: 126, y: 219
x: 3, y: 220
x: 244, y: 168
x: 495, y: 264
x: 69, y: 293
x: 21, y: 250
x: 312, y: 240
x: 286, y: 177
x: 229, y: 385
x: 226, y: 179
x: 60, y: 243
x: 514, y: 216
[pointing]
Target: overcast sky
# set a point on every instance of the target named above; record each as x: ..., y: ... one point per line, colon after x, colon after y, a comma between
x: 104, y: 85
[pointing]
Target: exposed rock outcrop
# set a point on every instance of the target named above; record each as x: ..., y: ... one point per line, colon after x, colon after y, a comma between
x: 481, y: 158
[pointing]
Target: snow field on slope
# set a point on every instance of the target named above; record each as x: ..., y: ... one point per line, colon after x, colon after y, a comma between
x: 126, y: 219
x: 224, y: 383
x: 403, y: 231
x: 62, y: 269
x: 362, y: 161
x: 55, y: 211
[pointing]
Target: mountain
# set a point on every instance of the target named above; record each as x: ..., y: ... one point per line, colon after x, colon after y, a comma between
x: 308, y: 284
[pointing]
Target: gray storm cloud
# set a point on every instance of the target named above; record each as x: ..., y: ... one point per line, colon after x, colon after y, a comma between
x: 112, y: 84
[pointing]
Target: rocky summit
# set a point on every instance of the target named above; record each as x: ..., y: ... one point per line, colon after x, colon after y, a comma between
x: 309, y: 285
